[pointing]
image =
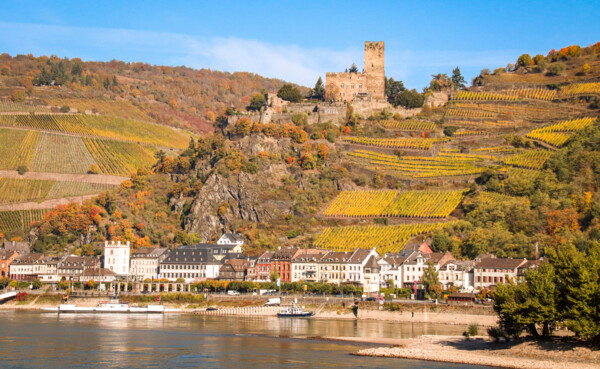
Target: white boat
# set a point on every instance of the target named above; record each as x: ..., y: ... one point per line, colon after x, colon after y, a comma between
x: 112, y: 306
x: 293, y: 312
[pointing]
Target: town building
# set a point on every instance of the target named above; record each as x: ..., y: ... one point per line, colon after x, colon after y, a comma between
x: 263, y: 267
x: 72, y: 267
x: 196, y: 263
x: 26, y: 267
x: 98, y: 275
x: 356, y: 264
x: 281, y: 262
x: 305, y: 266
x: 116, y: 257
x: 457, y: 273
x: 232, y: 239
x: 145, y: 262
x: 372, y: 277
x: 491, y: 271
x: 370, y: 84
x: 234, y: 270
x: 6, y: 257
x: 49, y: 270
x: 333, y: 267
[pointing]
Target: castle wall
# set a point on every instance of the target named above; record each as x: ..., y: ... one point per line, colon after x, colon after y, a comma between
x: 350, y: 86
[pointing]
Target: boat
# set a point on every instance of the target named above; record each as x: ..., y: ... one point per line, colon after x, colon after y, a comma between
x: 111, y: 306
x: 293, y: 312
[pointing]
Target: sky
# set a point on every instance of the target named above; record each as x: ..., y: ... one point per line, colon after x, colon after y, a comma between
x: 299, y: 41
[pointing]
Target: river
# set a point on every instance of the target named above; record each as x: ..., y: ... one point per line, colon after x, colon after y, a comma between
x: 47, y: 340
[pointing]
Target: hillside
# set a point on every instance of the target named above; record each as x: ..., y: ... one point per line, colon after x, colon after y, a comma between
x: 176, y: 96
x: 499, y: 168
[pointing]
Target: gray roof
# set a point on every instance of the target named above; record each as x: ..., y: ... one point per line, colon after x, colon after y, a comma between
x: 359, y: 255
x: 234, y: 237
x: 20, y: 247
x: 26, y: 259
x: 372, y: 264
x: 148, y: 252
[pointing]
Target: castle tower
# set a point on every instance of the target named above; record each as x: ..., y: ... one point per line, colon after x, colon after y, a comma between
x: 375, y: 69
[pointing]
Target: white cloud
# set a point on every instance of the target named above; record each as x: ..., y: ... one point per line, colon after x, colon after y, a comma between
x: 289, y: 62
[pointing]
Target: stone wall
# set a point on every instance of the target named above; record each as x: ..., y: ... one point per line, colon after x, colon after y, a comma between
x: 374, y: 69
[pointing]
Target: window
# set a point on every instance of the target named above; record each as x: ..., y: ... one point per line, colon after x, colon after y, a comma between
x: 351, y: 86
x: 342, y: 85
x: 359, y: 87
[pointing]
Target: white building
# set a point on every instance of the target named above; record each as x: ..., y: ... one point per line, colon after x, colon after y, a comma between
x: 457, y: 273
x: 305, y: 267
x: 116, y: 257
x: 356, y: 265
x: 232, y: 239
x: 145, y: 262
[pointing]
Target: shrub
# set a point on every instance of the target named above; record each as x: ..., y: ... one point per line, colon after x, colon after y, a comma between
x: 556, y: 69
x: 473, y: 329
x: 290, y: 93
x: 293, y: 233
x: 449, y: 130
x: 496, y: 333
x: 65, y: 109
x: 22, y: 169
x: 94, y: 169
x: 524, y: 60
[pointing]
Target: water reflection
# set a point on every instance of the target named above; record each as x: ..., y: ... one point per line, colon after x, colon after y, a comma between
x: 36, y: 340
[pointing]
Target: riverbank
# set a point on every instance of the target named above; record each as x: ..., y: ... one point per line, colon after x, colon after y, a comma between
x: 243, y: 306
x: 555, y: 354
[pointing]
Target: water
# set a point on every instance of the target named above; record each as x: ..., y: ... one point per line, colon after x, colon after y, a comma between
x: 47, y: 340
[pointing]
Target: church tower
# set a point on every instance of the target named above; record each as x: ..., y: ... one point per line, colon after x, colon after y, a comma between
x: 375, y: 69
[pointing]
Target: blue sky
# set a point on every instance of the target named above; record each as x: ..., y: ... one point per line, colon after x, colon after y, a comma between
x: 301, y: 40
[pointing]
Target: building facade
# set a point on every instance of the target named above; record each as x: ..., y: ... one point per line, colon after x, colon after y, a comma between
x: 370, y: 83
x: 116, y: 257
x: 6, y: 257
x: 145, y: 262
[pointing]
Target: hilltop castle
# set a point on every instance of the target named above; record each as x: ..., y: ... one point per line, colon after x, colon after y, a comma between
x: 370, y: 84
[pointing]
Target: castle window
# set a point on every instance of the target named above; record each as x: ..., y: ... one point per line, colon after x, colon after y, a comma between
x: 342, y: 85
x: 351, y: 86
x: 359, y: 87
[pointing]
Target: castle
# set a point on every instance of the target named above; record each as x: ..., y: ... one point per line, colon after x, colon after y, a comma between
x: 370, y: 84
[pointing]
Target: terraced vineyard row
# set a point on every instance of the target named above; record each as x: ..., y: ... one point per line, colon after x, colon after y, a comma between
x: 14, y: 190
x: 412, y: 204
x: 558, y: 134
x: 420, y: 167
x: 398, y: 143
x: 531, y: 159
x: 118, y: 158
x: 579, y: 89
x: 17, y: 190
x: 384, y: 238
x: 9, y: 107
x: 424, y: 204
x: 469, y: 113
x: 508, y: 95
x: 101, y: 126
x: 17, y: 148
x: 19, y: 221
x: 408, y: 125
x: 464, y: 133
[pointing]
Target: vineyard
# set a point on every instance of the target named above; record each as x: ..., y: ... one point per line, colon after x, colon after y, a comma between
x: 531, y: 159
x: 13, y: 107
x: 558, y: 134
x: 509, y: 95
x: 19, y: 221
x: 61, y: 154
x: 118, y: 158
x: 408, y: 125
x: 384, y: 238
x: 24, y: 190
x: 580, y: 89
x: 421, y: 167
x: 100, y: 126
x: 398, y: 143
x: 17, y: 148
x: 411, y: 204
x: 464, y: 133
x: 469, y: 113
x: 424, y: 204
x: 17, y: 190
x: 360, y: 203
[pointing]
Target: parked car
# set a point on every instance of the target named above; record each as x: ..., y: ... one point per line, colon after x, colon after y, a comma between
x: 211, y: 308
x: 233, y: 293
x: 371, y: 299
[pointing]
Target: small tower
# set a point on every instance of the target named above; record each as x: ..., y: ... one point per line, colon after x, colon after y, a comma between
x: 116, y: 257
x: 375, y: 69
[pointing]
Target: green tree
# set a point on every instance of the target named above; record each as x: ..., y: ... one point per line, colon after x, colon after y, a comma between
x: 431, y: 279
x: 22, y: 169
x: 556, y: 69
x: 457, y: 79
x: 256, y: 102
x: 353, y: 68
x: 409, y: 99
x: 65, y: 109
x: 290, y: 93
x: 318, y: 92
x: 393, y: 89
